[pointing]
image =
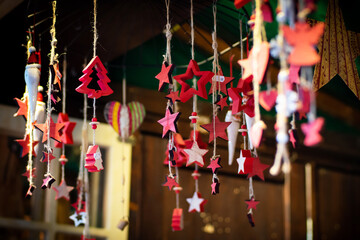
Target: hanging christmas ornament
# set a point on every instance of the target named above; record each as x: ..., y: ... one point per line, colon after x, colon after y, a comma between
x: 232, y: 132
x: 196, y: 203
x: 164, y: 76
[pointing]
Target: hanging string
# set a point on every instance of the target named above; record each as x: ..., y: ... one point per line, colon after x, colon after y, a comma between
x: 49, y: 108
x: 95, y: 29
x: 64, y: 76
x: 192, y: 29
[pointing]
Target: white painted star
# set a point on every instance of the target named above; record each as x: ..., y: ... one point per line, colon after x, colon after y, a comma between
x: 196, y: 155
x: 78, y: 218
x: 63, y: 190
x: 195, y: 202
x: 241, y: 161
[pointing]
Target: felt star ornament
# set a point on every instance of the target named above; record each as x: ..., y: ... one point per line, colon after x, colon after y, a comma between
x: 78, y: 218
x: 23, y: 108
x: 222, y: 102
x: 235, y: 95
x: 62, y: 191
x: 79, y: 207
x: 47, y: 157
x: 252, y: 203
x: 27, y: 173
x: 311, y: 131
x: 215, y: 164
x: 196, y: 203
x: 218, y: 131
x: 173, y: 97
x: 303, y: 38
x: 47, y: 181
x: 54, y: 129
x: 170, y: 182
x: 66, y: 132
x: 220, y: 82
x: 195, y: 155
x: 25, y: 145
x: 169, y: 122
x: 258, y: 169
x: 193, y: 70
x: 165, y: 75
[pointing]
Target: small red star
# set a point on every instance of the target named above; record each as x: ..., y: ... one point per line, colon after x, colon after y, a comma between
x: 234, y: 94
x: 65, y: 133
x: 54, y: 130
x: 170, y: 182
x: 222, y: 102
x: 47, y: 157
x: 258, y: 169
x: 78, y: 208
x: 57, y: 75
x: 221, y: 82
x: 215, y: 187
x: 252, y: 203
x: 215, y: 164
x: 169, y: 122
x: 219, y: 130
x: 27, y: 173
x: 23, y: 108
x: 193, y: 70
x: 62, y: 191
x: 165, y: 75
x: 173, y: 97
x: 24, y: 143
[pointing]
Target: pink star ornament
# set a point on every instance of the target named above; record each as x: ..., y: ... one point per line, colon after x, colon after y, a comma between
x: 169, y: 122
x: 311, y: 131
x: 62, y: 191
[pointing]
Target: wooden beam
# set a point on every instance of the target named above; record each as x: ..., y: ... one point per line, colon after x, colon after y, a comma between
x: 6, y: 6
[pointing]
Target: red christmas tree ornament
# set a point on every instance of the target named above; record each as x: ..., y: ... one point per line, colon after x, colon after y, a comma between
x: 177, y: 219
x: 103, y: 81
x: 93, y: 160
x: 193, y: 70
x: 303, y: 38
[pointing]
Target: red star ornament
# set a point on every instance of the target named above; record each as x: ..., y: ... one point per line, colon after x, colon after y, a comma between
x: 25, y: 145
x: 47, y: 181
x: 245, y: 162
x: 173, y: 97
x: 311, y: 131
x: 195, y: 155
x: 215, y: 187
x: 62, y: 191
x: 27, y: 173
x: 294, y: 74
x: 252, y: 203
x: 165, y: 75
x: 221, y: 83
x: 222, y: 102
x: 30, y: 191
x: 196, y: 203
x: 303, y: 38
x: 47, y: 157
x: 170, y: 182
x: 192, y: 70
x: 54, y: 129
x: 219, y: 130
x: 215, y: 164
x: 65, y: 133
x: 169, y: 122
x: 103, y: 81
x: 293, y: 137
x: 235, y: 95
x: 258, y: 169
x: 246, y: 86
x: 23, y: 108
x: 79, y: 207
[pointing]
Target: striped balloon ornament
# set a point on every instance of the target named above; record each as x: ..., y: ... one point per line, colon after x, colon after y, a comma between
x: 125, y: 119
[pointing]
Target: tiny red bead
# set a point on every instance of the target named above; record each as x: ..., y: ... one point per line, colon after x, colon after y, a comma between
x: 94, y: 119
x: 94, y: 126
x: 243, y: 127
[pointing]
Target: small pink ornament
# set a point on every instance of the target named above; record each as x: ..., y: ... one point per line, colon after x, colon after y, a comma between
x: 93, y: 160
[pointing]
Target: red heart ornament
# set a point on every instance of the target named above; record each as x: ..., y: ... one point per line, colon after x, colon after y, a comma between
x: 267, y: 99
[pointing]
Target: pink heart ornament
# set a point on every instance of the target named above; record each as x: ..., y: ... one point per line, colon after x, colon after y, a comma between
x: 267, y: 99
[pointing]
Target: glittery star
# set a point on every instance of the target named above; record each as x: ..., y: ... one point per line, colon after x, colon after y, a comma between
x: 215, y: 164
x: 23, y: 108
x: 78, y: 218
x: 169, y: 122
x: 195, y: 155
x: 47, y: 157
x: 62, y: 191
x: 193, y: 70
x: 54, y: 129
x: 24, y: 143
x: 173, y: 97
x: 170, y: 182
x: 47, y: 182
x: 196, y: 203
x: 218, y: 131
x: 252, y: 203
x: 258, y: 169
x: 165, y: 75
